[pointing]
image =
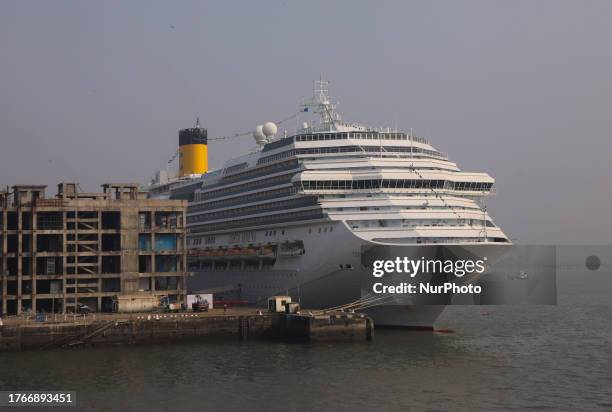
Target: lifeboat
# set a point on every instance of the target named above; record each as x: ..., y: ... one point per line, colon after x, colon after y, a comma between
x: 266, y: 250
x: 248, y: 251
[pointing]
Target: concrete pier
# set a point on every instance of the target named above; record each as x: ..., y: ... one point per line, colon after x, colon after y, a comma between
x: 141, y: 328
x: 337, y: 327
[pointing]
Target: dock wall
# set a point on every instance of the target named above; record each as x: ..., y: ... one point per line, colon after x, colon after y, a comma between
x: 150, y: 328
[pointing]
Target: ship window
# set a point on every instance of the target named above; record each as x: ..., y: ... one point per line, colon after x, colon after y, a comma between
x: 393, y: 183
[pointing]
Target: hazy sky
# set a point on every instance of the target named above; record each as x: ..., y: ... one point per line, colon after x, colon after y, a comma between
x: 96, y: 91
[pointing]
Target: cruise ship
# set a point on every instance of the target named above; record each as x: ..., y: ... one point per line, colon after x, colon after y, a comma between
x: 296, y: 215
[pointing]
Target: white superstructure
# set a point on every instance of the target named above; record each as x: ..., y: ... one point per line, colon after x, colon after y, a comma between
x: 296, y: 215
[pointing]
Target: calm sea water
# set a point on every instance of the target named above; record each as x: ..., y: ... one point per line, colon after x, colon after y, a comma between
x: 499, y: 358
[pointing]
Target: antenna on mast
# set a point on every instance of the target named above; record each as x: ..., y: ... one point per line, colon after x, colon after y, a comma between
x: 322, y: 105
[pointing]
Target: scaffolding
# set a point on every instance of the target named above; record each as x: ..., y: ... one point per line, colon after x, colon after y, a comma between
x: 83, y: 249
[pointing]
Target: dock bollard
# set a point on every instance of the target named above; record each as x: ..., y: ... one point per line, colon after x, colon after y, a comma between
x: 369, y: 328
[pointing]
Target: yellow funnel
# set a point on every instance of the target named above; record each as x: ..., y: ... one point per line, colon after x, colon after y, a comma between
x: 193, y: 151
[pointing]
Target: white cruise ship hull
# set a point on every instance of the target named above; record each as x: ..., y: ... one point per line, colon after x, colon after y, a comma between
x: 297, y: 215
x: 330, y: 273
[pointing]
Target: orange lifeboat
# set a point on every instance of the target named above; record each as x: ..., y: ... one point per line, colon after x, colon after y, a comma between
x: 266, y: 250
x: 234, y: 252
x: 248, y: 251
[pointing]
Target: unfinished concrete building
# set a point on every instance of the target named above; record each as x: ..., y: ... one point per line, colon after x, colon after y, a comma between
x: 58, y: 254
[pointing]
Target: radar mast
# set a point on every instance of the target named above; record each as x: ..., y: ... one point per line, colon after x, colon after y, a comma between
x: 322, y: 105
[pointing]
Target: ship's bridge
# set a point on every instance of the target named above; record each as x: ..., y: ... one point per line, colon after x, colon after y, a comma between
x: 408, y: 180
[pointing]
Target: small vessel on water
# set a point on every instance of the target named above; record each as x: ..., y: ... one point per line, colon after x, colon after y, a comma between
x: 296, y: 215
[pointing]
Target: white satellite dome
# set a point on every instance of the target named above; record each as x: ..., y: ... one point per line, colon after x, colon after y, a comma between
x: 259, y: 135
x: 269, y: 129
